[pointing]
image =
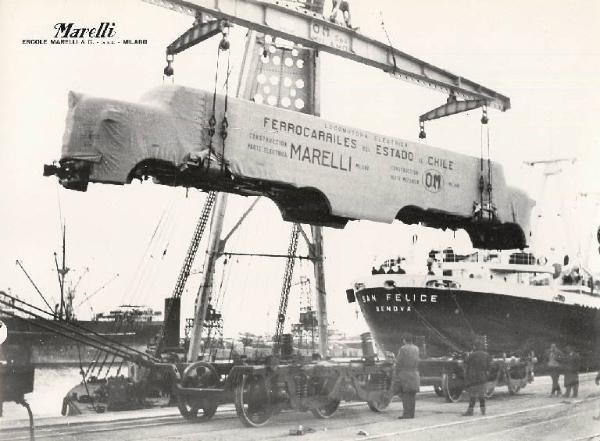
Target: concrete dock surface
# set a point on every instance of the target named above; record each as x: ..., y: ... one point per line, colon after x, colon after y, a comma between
x: 530, y: 415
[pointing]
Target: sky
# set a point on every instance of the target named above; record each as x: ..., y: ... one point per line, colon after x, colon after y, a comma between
x: 544, y: 55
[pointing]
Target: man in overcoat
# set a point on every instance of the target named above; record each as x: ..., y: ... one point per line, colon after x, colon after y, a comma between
x: 407, y: 380
x: 476, y: 376
x: 571, y: 369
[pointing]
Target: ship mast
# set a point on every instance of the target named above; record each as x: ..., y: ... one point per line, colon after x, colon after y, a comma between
x: 62, y: 272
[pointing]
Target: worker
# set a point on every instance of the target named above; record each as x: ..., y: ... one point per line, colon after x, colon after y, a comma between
x: 571, y: 370
x: 476, y: 376
x: 554, y: 356
x: 406, y: 378
x: 341, y: 7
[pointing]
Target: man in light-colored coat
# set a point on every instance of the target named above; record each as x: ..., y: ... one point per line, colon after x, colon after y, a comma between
x: 407, y: 380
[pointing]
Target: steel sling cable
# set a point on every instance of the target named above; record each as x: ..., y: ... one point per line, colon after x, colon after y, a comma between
x: 212, y: 122
x: 224, y: 121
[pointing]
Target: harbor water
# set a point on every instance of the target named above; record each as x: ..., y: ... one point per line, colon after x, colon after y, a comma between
x: 50, y: 386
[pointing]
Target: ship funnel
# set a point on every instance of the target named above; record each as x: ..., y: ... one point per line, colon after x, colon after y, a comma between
x: 350, y: 296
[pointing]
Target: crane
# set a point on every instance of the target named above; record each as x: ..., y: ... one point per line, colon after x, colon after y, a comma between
x: 184, y: 273
x: 303, y: 25
x: 287, y: 284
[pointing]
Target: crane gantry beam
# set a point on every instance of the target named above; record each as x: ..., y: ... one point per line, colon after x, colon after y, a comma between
x: 290, y: 22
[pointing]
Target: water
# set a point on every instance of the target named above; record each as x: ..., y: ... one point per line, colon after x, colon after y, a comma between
x: 50, y: 386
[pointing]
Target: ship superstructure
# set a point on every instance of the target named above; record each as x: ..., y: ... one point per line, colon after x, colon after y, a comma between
x: 514, y: 300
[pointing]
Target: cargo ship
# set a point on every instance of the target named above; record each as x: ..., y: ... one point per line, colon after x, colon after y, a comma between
x: 514, y: 301
x: 132, y: 325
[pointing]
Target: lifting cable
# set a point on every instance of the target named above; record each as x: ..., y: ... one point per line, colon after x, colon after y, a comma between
x: 224, y: 45
x: 482, y: 187
x: 212, y: 122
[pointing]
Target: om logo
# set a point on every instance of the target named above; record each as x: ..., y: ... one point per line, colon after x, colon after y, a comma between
x: 433, y: 180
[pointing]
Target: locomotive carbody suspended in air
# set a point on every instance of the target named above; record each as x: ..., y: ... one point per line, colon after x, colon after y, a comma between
x: 317, y: 171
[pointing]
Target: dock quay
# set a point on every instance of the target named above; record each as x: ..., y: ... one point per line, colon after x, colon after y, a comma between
x: 529, y: 415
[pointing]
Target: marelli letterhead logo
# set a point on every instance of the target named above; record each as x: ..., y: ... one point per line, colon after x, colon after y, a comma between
x: 70, y: 30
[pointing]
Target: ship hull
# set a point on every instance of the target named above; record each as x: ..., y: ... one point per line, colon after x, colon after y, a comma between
x: 50, y: 349
x: 448, y: 321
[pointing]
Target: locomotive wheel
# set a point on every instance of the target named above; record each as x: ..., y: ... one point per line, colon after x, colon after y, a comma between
x: 452, y: 388
x: 197, y: 375
x: 190, y: 411
x: 251, y: 401
x: 327, y: 410
x: 514, y: 384
x: 382, y: 403
x: 384, y: 399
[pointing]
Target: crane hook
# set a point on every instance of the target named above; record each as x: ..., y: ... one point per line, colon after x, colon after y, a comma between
x: 169, y: 71
x: 422, y: 134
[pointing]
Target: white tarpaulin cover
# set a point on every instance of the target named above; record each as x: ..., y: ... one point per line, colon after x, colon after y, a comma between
x: 363, y: 175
